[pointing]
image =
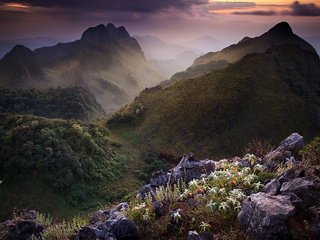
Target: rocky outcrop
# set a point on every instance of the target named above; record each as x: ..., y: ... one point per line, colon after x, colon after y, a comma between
x: 265, y: 216
x: 188, y: 168
x: 109, y: 225
x: 25, y: 227
x: 284, y: 153
x: 294, y: 196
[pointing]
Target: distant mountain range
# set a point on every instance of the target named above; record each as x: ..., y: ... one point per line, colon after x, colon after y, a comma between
x: 264, y: 87
x: 33, y: 42
x: 279, y: 34
x: 106, y: 60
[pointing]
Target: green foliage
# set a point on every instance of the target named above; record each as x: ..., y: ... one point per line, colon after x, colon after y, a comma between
x: 67, y: 103
x: 152, y: 164
x: 69, y: 157
x: 311, y: 153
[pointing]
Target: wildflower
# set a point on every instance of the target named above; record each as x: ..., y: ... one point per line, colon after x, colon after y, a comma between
x: 224, y: 206
x: 205, y: 226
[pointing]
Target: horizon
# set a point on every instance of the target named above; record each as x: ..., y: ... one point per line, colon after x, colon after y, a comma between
x: 171, y: 21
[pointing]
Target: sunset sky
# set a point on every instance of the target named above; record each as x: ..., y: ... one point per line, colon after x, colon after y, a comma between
x: 174, y: 20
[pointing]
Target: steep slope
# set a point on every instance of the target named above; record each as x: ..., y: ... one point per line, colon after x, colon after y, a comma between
x: 66, y: 103
x: 266, y: 95
x: 106, y: 60
x: 278, y: 35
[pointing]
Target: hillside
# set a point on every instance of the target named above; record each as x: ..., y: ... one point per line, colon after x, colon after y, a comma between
x: 266, y: 95
x: 66, y: 103
x: 53, y: 164
x: 277, y: 35
x: 106, y: 60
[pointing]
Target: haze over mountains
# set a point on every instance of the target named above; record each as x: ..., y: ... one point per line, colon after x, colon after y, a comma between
x: 106, y: 60
x: 264, y: 87
x: 279, y: 34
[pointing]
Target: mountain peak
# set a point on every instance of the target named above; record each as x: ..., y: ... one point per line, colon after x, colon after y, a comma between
x: 282, y: 28
x: 110, y: 26
x: 95, y: 34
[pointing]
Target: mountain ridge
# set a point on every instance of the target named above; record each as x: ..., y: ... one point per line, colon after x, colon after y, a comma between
x: 106, y: 60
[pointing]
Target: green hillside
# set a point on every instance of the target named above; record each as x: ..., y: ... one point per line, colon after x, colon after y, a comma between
x: 266, y: 95
x: 66, y: 103
x: 58, y: 166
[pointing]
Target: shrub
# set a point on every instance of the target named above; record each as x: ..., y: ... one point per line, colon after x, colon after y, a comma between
x: 311, y: 153
x: 258, y: 147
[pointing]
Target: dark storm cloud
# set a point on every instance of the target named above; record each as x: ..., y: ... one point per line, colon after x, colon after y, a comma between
x: 141, y: 6
x: 298, y: 9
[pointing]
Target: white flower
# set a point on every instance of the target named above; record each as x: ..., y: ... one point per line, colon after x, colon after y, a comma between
x: 224, y: 206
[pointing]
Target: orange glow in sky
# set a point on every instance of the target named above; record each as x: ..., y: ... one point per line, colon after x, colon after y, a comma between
x: 278, y: 2
x: 16, y: 5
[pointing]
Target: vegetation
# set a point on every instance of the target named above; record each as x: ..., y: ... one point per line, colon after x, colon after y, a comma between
x: 217, y: 114
x: 66, y: 103
x: 311, y: 153
x: 208, y: 205
x: 258, y: 147
x: 73, y: 159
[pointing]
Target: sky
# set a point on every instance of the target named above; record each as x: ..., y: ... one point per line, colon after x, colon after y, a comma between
x: 172, y: 20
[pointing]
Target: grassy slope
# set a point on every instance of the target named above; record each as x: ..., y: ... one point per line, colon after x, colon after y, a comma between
x: 217, y: 114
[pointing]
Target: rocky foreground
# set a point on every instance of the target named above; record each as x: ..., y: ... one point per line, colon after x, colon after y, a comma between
x: 283, y: 205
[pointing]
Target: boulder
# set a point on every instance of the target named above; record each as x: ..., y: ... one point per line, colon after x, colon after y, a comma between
x: 187, y: 169
x: 265, y: 216
x: 24, y: 230
x: 109, y: 225
x: 26, y: 227
x: 272, y: 187
x: 283, y: 153
x: 307, y: 191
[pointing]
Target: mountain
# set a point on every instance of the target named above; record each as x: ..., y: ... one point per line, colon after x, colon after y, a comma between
x: 66, y: 103
x: 266, y: 95
x: 33, y: 42
x: 106, y: 60
x: 279, y: 34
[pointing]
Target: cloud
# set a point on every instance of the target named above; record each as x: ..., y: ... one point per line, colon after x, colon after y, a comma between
x: 297, y: 9
x: 213, y: 6
x: 259, y: 13
x: 140, y: 6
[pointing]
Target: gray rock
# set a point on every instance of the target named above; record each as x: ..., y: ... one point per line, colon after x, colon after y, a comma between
x: 282, y: 154
x: 295, y: 185
x: 265, y: 216
x: 24, y: 230
x: 188, y: 169
x: 115, y: 226
x: 272, y: 187
x: 292, y: 143
x: 307, y: 191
